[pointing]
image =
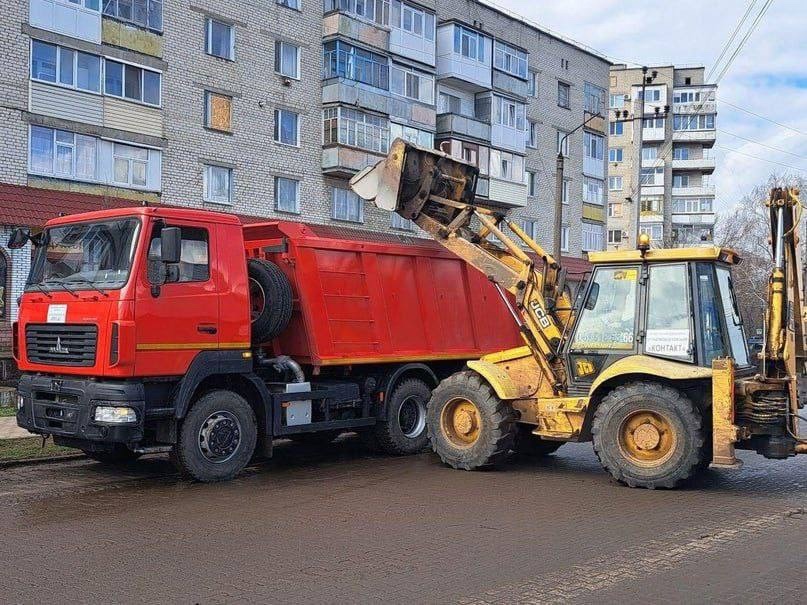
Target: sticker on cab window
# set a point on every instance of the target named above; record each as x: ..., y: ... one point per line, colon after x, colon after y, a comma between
x: 626, y: 275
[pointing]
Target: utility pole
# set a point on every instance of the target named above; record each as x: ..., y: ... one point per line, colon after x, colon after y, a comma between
x: 637, y: 204
x: 559, y: 166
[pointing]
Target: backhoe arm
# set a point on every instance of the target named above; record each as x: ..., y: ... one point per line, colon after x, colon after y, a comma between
x: 436, y: 192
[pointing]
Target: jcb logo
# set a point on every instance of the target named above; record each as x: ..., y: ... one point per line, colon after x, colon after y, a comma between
x: 540, y: 314
x: 584, y: 367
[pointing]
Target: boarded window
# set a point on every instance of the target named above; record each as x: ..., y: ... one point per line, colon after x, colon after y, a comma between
x: 219, y: 112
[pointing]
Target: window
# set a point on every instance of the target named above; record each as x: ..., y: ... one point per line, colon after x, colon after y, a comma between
x: 564, y: 64
x: 562, y: 143
x: 691, y: 235
x: 347, y: 126
x: 694, y: 205
x: 412, y: 20
x: 593, y: 237
x: 71, y: 68
x: 145, y: 13
x: 531, y: 228
x: 287, y: 59
x: 532, y: 134
x: 650, y: 95
x: 680, y: 180
x: 680, y: 152
x: 615, y: 154
x: 509, y: 113
x: 218, y: 185
x: 287, y: 195
x: 130, y: 165
x: 533, y: 84
x: 688, y: 96
x: 287, y: 127
x: 412, y: 84
x: 593, y: 98
x: 650, y: 152
x: 371, y: 10
x: 564, y: 238
x: 507, y: 166
x: 295, y: 4
x: 615, y: 236
x: 593, y: 146
x: 698, y: 122
x: 652, y: 204
x: 422, y: 138
x: 347, y: 206
x: 470, y: 153
x: 220, y: 39
x: 654, y: 230
x: 668, y: 332
x: 564, y: 95
x: 615, y: 183
x: 593, y: 191
x: 449, y: 104
x: 132, y: 83
x: 345, y: 61
x: 615, y: 210
x: 565, y: 191
x: 62, y: 154
x: 194, y: 257
x: 398, y: 222
x: 616, y: 128
x: 532, y: 182
x: 510, y: 59
x: 610, y: 324
x: 652, y: 176
x: 616, y: 101
x: 469, y: 43
x: 657, y: 123
x: 218, y: 111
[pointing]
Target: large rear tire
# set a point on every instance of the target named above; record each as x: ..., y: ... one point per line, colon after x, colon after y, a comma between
x: 648, y: 435
x: 217, y: 438
x: 270, y: 297
x: 403, y: 432
x: 469, y: 426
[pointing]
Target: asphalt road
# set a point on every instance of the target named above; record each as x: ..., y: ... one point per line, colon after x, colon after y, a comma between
x: 340, y: 525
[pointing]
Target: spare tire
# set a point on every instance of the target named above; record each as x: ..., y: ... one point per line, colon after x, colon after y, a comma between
x: 270, y: 299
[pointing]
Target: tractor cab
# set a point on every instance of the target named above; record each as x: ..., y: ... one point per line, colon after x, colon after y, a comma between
x: 671, y: 304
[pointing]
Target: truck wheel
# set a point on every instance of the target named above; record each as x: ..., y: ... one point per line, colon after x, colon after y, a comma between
x: 648, y: 435
x: 404, y: 430
x: 531, y: 446
x: 217, y: 437
x: 119, y: 455
x: 469, y: 426
x: 270, y: 299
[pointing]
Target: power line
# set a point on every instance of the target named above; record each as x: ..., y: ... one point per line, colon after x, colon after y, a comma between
x: 754, y: 157
x: 745, y: 38
x: 761, y: 117
x: 731, y: 134
x: 731, y: 39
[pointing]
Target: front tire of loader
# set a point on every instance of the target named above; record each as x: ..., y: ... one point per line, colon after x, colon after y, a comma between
x: 469, y: 427
x: 648, y: 435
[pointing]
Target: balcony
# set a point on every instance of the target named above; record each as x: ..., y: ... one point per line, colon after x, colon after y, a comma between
x: 412, y: 46
x: 510, y: 84
x: 66, y: 17
x: 699, y: 99
x: 371, y: 34
x: 344, y: 162
x: 450, y: 124
x: 507, y: 137
x: 507, y: 193
x: 701, y: 191
x: 705, y: 218
x: 705, y: 137
x: 706, y: 165
x: 653, y: 134
x: 459, y: 70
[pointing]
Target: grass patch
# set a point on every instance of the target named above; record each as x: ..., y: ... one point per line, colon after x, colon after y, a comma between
x: 8, y: 411
x: 31, y: 447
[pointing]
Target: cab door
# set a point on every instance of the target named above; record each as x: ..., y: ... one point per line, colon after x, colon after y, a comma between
x: 177, y: 320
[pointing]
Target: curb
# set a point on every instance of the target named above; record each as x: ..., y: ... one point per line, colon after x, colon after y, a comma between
x: 36, y: 461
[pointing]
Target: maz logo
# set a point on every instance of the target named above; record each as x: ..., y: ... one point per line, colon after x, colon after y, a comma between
x: 59, y: 348
x: 540, y: 314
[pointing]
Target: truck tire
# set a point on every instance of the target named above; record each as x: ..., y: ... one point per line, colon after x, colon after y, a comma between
x: 270, y: 298
x: 120, y: 455
x: 404, y: 430
x: 469, y: 426
x: 530, y: 446
x: 648, y: 435
x: 217, y: 437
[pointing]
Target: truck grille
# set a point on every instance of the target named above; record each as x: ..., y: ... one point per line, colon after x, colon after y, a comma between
x: 61, y: 344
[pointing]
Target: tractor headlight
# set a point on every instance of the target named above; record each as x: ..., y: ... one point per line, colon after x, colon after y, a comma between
x: 115, y: 414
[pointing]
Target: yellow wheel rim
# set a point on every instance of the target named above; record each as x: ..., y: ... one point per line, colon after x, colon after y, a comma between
x: 647, y: 438
x: 461, y: 422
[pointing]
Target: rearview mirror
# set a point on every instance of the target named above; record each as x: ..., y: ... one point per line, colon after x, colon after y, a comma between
x: 170, y: 244
x: 18, y: 239
x: 593, y: 294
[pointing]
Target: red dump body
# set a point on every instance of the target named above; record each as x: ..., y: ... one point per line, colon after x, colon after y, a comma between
x: 374, y: 298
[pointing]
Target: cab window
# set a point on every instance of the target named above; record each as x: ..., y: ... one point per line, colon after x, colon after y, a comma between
x: 709, y: 314
x: 731, y: 311
x: 668, y: 331
x: 194, y: 262
x: 608, y: 317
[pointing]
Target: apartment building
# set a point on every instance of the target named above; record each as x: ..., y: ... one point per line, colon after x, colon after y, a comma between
x: 674, y: 160
x: 267, y: 109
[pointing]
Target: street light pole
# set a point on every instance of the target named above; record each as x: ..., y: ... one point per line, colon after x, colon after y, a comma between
x: 638, y: 200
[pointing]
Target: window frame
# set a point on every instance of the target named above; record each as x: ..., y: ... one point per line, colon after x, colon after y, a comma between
x: 155, y: 236
x: 616, y: 155
x: 422, y: 77
x: 279, y: 113
x: 142, y: 70
x: 346, y: 218
x: 479, y: 39
x: 509, y: 54
x: 148, y: 4
x: 568, y: 88
x: 208, y: 115
x: 209, y: 38
x: 621, y: 183
x: 332, y: 120
x: 690, y: 358
x: 206, y: 194
x: 297, y: 185
x: 279, y: 44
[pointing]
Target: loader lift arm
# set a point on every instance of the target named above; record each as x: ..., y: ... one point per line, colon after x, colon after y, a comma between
x: 437, y: 192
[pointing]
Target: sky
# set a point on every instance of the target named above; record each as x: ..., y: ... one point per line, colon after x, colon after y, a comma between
x: 768, y: 77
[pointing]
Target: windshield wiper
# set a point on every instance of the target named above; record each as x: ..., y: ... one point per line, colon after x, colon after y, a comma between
x: 41, y: 289
x: 92, y: 285
x: 62, y: 284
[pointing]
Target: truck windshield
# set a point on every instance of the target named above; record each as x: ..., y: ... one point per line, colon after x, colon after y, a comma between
x: 94, y: 255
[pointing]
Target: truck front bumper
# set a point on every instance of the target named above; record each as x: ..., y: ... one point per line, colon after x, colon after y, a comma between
x: 64, y: 407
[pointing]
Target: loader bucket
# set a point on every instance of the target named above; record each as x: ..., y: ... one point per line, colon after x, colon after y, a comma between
x: 410, y: 175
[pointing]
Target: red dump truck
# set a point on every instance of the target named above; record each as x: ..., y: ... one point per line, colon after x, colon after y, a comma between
x: 171, y: 330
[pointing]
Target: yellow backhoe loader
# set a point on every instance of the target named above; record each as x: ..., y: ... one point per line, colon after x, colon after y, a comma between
x: 649, y: 360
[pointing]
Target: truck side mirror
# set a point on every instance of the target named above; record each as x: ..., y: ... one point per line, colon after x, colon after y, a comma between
x: 170, y: 244
x: 18, y: 239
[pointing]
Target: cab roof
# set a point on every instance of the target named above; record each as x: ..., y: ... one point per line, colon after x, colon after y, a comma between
x: 188, y: 214
x: 702, y: 253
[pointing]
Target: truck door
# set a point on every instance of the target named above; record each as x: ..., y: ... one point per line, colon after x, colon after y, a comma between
x: 179, y: 319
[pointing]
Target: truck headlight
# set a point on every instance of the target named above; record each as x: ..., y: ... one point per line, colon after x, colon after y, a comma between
x: 115, y: 414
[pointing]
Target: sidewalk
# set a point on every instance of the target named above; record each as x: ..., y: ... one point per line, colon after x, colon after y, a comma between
x: 10, y: 430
